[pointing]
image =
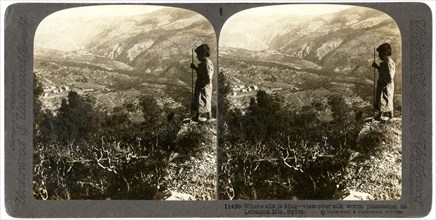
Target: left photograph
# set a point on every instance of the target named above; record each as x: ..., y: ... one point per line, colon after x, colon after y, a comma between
x: 124, y: 104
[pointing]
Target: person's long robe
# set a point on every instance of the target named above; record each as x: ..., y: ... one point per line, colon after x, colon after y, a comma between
x: 384, y: 100
x: 203, y: 87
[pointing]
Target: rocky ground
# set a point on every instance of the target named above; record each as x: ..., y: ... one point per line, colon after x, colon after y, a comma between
x: 374, y: 170
x: 193, y: 177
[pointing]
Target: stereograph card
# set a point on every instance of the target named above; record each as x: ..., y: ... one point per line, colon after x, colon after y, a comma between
x: 218, y: 109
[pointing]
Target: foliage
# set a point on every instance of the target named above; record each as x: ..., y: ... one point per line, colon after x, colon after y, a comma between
x: 92, y: 155
x: 38, y: 114
x: 77, y: 119
x: 83, y: 152
x: 271, y: 152
x: 152, y: 113
x: 344, y: 130
x: 107, y: 171
x: 223, y: 102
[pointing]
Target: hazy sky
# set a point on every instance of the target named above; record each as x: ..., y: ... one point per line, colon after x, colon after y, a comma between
x: 267, y: 21
x: 69, y: 29
x: 260, y: 17
x: 101, y: 11
x: 292, y: 9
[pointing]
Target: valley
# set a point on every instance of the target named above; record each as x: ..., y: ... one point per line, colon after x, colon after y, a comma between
x: 123, y: 59
x: 308, y: 58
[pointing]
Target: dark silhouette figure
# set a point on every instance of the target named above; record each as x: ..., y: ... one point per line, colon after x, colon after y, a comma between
x: 203, y: 85
x: 384, y: 98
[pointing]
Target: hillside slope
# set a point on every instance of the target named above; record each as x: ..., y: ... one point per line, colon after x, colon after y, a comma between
x: 161, y: 39
x: 122, y: 58
x: 191, y: 171
x: 375, y: 168
x: 341, y: 43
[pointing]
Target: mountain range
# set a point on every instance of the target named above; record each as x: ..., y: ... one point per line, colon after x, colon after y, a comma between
x: 123, y: 57
x: 331, y: 52
x: 329, y: 40
x: 127, y: 56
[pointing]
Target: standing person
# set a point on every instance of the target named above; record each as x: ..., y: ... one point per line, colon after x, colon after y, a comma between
x: 384, y: 97
x: 203, y: 85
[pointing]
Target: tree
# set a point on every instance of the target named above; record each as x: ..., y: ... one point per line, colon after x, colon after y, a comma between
x: 279, y: 153
x: 151, y: 110
x: 77, y: 119
x: 116, y: 125
x: 37, y: 106
x: 223, y: 93
x: 223, y: 105
x: 344, y: 128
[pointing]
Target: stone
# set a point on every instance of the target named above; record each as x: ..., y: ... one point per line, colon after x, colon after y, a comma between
x: 176, y: 196
x: 355, y: 195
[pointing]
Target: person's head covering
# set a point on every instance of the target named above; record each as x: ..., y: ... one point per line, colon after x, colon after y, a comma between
x: 203, y: 50
x: 385, y: 48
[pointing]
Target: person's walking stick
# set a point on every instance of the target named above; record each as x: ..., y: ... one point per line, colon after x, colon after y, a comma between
x: 373, y: 109
x: 192, y: 79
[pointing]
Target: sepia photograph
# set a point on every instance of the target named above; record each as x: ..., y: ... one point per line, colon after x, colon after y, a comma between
x: 240, y: 109
x: 124, y: 104
x: 309, y: 104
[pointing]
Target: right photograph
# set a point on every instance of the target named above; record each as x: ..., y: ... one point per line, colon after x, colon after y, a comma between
x: 309, y: 104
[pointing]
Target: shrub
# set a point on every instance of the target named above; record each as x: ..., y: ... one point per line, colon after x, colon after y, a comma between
x: 197, y: 139
x: 90, y: 172
x: 87, y: 153
x: 76, y: 119
x: 271, y: 152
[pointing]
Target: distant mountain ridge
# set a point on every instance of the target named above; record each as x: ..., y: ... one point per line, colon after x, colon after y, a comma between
x: 342, y: 42
x: 131, y: 55
x: 164, y: 34
x: 305, y: 59
x: 156, y: 43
